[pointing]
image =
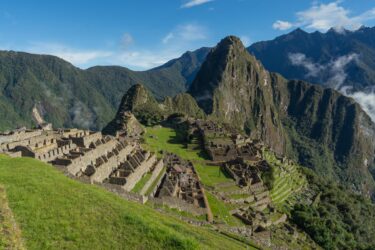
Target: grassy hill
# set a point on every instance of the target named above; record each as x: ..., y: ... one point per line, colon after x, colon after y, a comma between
x: 55, y: 212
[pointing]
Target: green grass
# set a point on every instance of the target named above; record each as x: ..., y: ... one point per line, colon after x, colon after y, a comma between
x: 222, y: 211
x: 284, y: 187
x: 153, y: 185
x: 239, y: 196
x: 138, y: 187
x: 55, y: 212
x: 10, y: 234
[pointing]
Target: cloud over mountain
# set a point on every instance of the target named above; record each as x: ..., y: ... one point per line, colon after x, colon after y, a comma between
x: 325, y: 16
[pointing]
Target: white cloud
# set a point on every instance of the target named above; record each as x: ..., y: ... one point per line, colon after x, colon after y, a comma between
x: 193, y: 3
x: 82, y: 115
x: 144, y: 59
x: 75, y: 56
x: 174, y: 44
x: 186, y: 33
x: 168, y: 37
x: 365, y: 99
x: 333, y: 72
x: 282, y: 25
x: 126, y: 40
x: 325, y: 16
x: 335, y: 75
x: 299, y: 59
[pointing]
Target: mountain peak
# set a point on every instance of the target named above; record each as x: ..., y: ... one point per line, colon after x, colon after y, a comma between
x: 230, y: 42
x: 220, y: 68
x: 298, y: 31
x: 233, y: 87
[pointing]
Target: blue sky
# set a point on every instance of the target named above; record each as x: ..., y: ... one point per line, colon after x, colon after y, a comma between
x: 142, y: 34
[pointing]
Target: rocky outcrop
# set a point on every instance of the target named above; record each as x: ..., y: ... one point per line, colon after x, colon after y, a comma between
x: 124, y: 123
x: 319, y: 127
x: 184, y: 104
x: 138, y: 104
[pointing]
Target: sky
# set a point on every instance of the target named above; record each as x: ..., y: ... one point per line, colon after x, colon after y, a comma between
x: 142, y: 34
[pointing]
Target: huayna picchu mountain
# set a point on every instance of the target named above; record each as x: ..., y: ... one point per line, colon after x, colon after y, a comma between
x: 320, y: 128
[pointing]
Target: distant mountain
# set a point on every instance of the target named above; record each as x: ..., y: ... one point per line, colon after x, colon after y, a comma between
x: 187, y: 65
x: 333, y: 59
x: 320, y: 128
x: 70, y: 97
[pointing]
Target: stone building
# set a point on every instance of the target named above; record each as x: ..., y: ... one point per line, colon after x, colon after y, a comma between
x: 181, y: 187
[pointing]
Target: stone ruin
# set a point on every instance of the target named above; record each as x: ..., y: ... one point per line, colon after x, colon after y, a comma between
x: 181, y: 187
x: 223, y: 144
x: 246, y: 174
x: 83, y: 154
x: 255, y: 210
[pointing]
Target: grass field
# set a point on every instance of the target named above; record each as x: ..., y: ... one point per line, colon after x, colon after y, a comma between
x: 55, y: 212
x: 10, y: 234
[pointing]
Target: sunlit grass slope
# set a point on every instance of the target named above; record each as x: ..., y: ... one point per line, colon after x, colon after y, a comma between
x: 55, y: 212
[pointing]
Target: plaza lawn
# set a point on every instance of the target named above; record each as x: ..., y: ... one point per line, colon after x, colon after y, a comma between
x: 55, y: 212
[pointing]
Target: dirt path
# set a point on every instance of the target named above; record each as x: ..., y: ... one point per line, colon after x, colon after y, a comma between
x: 10, y: 233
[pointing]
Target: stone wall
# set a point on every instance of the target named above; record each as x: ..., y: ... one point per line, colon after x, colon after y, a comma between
x: 41, y: 138
x: 157, y: 186
x: 103, y: 170
x: 55, y: 153
x: 84, y: 139
x: 18, y: 135
x: 179, y: 204
x: 139, y: 172
x: 80, y: 163
x: 157, y: 170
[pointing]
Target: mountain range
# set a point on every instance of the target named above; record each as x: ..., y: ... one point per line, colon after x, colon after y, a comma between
x: 71, y: 97
x: 62, y: 93
x: 319, y: 127
x: 333, y: 59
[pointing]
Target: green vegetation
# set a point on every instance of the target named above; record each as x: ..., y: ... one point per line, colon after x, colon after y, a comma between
x: 153, y: 185
x: 287, y: 180
x: 138, y: 187
x: 63, y: 90
x: 337, y: 219
x: 55, y: 212
x: 221, y: 211
x: 10, y: 234
x: 176, y: 212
